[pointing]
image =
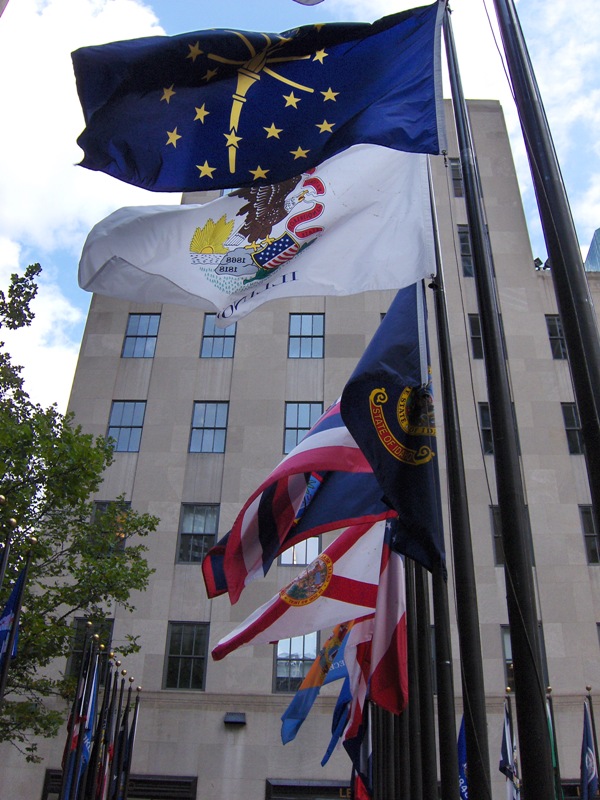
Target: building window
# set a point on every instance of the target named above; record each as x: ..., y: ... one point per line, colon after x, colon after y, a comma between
x: 217, y: 342
x: 497, y: 536
x: 466, y: 253
x: 457, y: 177
x: 572, y: 428
x: 307, y: 336
x: 299, y: 419
x: 112, y: 508
x: 125, y: 424
x: 476, y: 340
x: 197, y: 532
x: 509, y: 672
x: 556, y: 336
x: 590, y: 535
x: 140, y: 336
x: 82, y: 632
x: 187, y: 646
x: 209, y: 427
x: 485, y: 427
x: 294, y: 657
x: 301, y: 554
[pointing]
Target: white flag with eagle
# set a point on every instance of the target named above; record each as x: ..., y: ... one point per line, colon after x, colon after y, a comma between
x: 360, y: 221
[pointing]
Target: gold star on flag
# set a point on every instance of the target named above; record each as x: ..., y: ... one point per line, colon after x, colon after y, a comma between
x: 168, y: 93
x: 259, y: 172
x: 329, y: 95
x: 320, y: 55
x: 299, y: 153
x: 272, y: 131
x: 201, y: 113
x: 194, y: 51
x: 205, y: 170
x: 325, y: 127
x: 210, y: 73
x: 291, y: 100
x: 232, y: 139
x: 173, y: 136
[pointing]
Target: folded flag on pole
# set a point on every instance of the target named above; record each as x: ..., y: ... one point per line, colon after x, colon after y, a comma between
x: 387, y: 406
x: 589, y: 760
x: 461, y: 748
x: 508, y: 764
x: 310, y: 235
x: 322, y: 671
x: 341, y: 583
x: 224, y: 108
x: 324, y: 484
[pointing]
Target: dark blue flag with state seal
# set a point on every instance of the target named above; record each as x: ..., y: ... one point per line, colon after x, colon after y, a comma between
x: 387, y: 405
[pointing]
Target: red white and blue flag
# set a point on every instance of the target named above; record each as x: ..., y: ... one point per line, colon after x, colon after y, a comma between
x: 324, y: 484
x: 340, y: 584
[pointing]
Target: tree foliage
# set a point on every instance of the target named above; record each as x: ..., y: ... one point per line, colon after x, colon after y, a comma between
x: 83, y: 563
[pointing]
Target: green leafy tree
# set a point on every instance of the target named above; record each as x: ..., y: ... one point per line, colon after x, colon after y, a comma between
x: 83, y: 563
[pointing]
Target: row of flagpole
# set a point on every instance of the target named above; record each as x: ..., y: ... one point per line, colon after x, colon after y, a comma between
x: 98, y: 751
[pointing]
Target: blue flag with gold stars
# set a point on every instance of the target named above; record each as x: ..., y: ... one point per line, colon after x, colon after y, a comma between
x: 224, y: 108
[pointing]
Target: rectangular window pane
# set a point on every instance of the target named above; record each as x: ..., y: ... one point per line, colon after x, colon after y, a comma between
x: 299, y: 419
x: 457, y: 178
x: 140, y: 336
x: 197, y: 532
x: 293, y: 659
x: 590, y: 536
x: 217, y: 342
x: 572, y: 428
x: 485, y: 426
x: 82, y: 632
x: 125, y: 425
x: 476, y: 340
x: 187, y: 646
x: 558, y: 345
x: 466, y: 254
x: 306, y: 336
x: 209, y: 427
x: 302, y: 553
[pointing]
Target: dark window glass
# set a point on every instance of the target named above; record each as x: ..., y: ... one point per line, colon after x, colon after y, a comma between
x: 466, y: 253
x: 457, y: 177
x: 476, y: 340
x: 509, y: 672
x: 299, y: 419
x: 187, y: 647
x: 140, y: 336
x: 485, y: 426
x: 197, y: 531
x: 590, y: 535
x: 294, y: 657
x: 307, y: 336
x: 217, y: 342
x: 572, y: 428
x: 82, y: 632
x: 556, y: 336
x: 125, y: 424
x: 209, y: 427
x: 110, y: 508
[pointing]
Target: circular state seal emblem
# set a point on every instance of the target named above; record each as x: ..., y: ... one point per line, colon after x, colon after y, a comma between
x: 310, y: 584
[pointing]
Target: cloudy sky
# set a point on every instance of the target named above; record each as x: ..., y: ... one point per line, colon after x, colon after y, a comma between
x: 48, y: 205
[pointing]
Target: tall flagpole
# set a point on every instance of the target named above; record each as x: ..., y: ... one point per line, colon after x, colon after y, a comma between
x: 467, y: 613
x: 534, y: 740
x: 573, y: 296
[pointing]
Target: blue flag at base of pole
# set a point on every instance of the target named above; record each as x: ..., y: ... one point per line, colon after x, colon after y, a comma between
x: 508, y: 763
x: 224, y: 108
x: 8, y: 617
x: 461, y: 748
x: 589, y: 761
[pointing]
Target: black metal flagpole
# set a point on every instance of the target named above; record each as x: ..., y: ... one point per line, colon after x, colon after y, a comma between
x: 534, y: 740
x: 467, y: 613
x: 414, y: 691
x: 573, y: 296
